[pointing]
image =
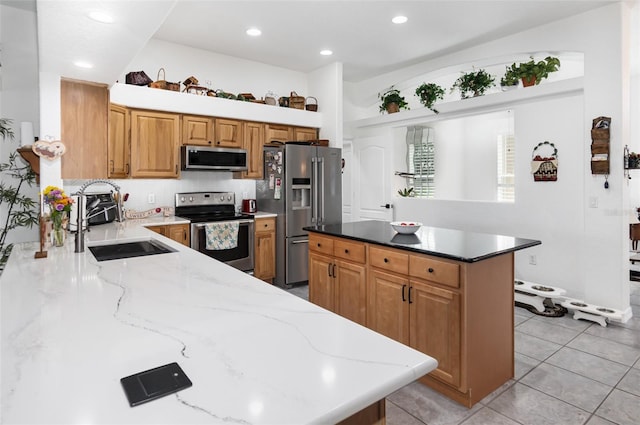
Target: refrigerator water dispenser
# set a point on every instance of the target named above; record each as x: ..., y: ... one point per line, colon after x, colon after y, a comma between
x: 301, y: 193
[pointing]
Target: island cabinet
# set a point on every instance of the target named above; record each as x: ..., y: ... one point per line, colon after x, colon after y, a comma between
x: 155, y: 138
x: 458, y: 312
x: 228, y: 133
x: 265, y: 249
x: 338, y: 271
x: 197, y: 130
x: 177, y: 232
x: 118, y: 148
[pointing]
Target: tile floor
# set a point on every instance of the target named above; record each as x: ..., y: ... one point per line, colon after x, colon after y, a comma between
x: 567, y: 372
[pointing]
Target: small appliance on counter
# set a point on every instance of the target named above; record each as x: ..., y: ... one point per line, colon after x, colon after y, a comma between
x: 249, y: 206
x: 100, y: 209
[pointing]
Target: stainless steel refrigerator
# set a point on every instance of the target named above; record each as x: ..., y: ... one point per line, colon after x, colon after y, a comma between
x: 303, y: 185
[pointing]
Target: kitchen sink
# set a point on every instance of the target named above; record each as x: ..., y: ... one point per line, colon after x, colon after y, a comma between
x: 129, y: 249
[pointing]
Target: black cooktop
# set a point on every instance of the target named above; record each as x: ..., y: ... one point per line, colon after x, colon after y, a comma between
x: 212, y: 216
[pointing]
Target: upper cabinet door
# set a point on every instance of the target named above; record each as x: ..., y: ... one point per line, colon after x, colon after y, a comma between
x: 253, y: 143
x: 84, y: 110
x: 228, y: 133
x: 303, y: 134
x: 155, y: 144
x: 197, y: 130
x: 119, y: 142
x: 278, y: 133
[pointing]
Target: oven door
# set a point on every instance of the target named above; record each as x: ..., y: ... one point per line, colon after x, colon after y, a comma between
x: 240, y: 257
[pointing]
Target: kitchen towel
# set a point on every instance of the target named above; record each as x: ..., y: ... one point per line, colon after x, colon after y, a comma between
x: 222, y: 235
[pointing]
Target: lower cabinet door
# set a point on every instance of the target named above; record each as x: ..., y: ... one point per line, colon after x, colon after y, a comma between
x: 351, y: 292
x: 321, y: 282
x: 435, y: 328
x: 388, y: 306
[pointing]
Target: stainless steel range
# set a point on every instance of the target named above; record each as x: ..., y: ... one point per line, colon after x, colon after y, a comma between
x: 202, y: 208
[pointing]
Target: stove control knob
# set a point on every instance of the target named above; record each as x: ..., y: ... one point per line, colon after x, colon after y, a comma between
x: 228, y: 197
x: 222, y: 198
x: 182, y: 199
x: 190, y: 198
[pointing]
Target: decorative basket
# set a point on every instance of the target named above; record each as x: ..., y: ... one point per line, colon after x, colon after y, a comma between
x: 311, y: 104
x: 137, y: 78
x: 163, y: 84
x: 295, y: 101
x: 544, y: 169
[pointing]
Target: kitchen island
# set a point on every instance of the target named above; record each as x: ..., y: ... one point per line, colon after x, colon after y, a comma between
x: 73, y: 326
x: 445, y: 292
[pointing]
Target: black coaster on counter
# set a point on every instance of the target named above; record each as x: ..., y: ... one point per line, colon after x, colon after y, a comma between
x: 154, y: 383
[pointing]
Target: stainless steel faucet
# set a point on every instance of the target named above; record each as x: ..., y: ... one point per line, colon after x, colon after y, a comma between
x: 79, y: 247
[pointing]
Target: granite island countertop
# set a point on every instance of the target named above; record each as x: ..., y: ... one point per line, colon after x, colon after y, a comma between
x: 454, y: 244
x: 73, y: 326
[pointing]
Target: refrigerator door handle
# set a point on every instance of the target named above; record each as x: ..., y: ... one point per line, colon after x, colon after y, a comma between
x: 314, y: 190
x: 320, y: 198
x: 300, y: 241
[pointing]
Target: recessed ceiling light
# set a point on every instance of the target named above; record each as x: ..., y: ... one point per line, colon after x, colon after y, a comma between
x: 399, y: 19
x: 326, y: 52
x: 101, y: 17
x: 254, y: 32
x: 83, y: 64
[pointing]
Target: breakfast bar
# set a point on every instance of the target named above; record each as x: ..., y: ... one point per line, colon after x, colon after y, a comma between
x: 445, y: 292
x: 73, y: 326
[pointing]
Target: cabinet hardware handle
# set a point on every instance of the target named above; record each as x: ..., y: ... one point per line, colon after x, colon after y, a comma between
x: 333, y: 271
x: 404, y: 288
x: 318, y: 245
x: 410, y: 288
x: 346, y: 251
x: 184, y: 235
x: 126, y: 168
x: 386, y: 260
x: 266, y: 225
x: 112, y: 166
x: 329, y: 269
x: 176, y: 168
x: 430, y: 270
x: 209, y: 141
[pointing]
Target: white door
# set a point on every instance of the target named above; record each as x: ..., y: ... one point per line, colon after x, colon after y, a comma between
x: 371, y: 198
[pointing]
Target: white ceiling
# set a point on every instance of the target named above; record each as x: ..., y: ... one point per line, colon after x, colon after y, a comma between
x: 360, y: 33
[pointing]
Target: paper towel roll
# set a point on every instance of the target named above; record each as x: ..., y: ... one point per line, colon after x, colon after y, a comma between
x: 26, y: 133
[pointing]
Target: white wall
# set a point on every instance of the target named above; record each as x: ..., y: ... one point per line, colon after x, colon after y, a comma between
x: 584, y: 250
x: 18, y: 90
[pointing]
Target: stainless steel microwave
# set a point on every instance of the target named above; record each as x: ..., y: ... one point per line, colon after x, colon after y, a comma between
x: 214, y: 159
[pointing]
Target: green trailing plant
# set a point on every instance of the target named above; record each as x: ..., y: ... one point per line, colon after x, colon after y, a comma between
x: 472, y: 84
x: 429, y: 94
x: 533, y: 72
x: 510, y: 78
x: 406, y: 192
x: 21, y: 211
x: 392, y: 96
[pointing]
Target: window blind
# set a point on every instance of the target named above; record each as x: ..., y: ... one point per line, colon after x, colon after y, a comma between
x: 421, y: 161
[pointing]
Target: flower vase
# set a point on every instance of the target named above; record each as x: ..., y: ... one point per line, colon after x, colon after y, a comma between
x: 58, y: 233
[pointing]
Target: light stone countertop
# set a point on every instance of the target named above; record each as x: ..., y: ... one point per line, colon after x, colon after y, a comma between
x: 73, y: 326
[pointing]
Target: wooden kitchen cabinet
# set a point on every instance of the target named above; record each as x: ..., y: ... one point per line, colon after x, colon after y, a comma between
x: 265, y: 249
x: 228, y: 133
x: 457, y: 312
x: 155, y: 144
x: 84, y: 113
x: 305, y: 133
x: 118, y: 149
x: 278, y: 133
x: 337, y: 276
x: 253, y: 137
x: 178, y: 232
x: 197, y: 130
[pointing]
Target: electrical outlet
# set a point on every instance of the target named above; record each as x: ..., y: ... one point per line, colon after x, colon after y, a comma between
x: 533, y: 260
x: 593, y: 202
x: 151, y: 198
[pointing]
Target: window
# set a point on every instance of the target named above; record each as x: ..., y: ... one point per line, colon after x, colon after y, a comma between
x: 506, y: 167
x: 421, y: 161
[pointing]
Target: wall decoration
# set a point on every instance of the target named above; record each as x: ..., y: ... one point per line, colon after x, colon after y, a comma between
x: 544, y: 168
x: 50, y: 150
x: 600, y: 145
x: 165, y: 211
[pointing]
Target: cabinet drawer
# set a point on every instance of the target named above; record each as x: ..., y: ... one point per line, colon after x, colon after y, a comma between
x: 265, y: 224
x: 320, y: 244
x: 389, y: 260
x: 353, y: 251
x: 434, y: 270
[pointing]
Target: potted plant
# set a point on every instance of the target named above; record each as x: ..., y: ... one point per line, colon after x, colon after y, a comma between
x: 428, y: 94
x: 407, y: 192
x: 510, y: 79
x: 392, y: 101
x: 20, y: 209
x: 472, y: 84
x: 533, y: 72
